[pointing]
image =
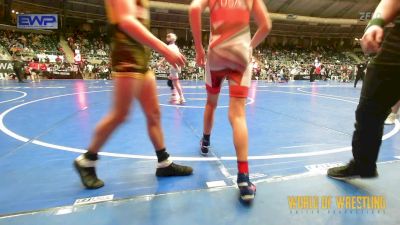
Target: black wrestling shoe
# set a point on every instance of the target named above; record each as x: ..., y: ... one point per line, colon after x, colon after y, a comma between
x: 350, y: 171
x: 88, y: 175
x: 247, y: 189
x: 174, y: 170
x: 204, y: 147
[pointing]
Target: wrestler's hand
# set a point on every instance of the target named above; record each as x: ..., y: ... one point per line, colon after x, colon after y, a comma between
x: 372, y: 40
x: 200, y: 57
x: 175, y: 59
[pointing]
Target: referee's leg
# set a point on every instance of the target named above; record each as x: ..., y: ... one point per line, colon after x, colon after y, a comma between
x: 379, y: 93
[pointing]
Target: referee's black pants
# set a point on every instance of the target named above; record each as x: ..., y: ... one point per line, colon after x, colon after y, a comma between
x: 359, y: 76
x: 380, y: 91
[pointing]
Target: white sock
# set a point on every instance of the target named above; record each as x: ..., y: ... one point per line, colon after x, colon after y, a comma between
x: 84, y: 162
x: 164, y: 163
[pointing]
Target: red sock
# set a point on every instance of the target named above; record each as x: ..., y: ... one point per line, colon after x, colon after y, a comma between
x: 243, y: 167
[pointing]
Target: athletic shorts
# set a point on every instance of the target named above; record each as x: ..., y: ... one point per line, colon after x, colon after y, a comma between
x: 134, y: 75
x: 214, y: 80
x: 130, y: 57
x: 174, y: 74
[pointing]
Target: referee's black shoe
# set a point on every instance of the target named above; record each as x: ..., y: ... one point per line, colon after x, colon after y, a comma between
x: 350, y: 171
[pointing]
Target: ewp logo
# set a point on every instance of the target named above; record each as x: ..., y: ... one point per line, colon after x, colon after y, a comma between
x: 37, y: 21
